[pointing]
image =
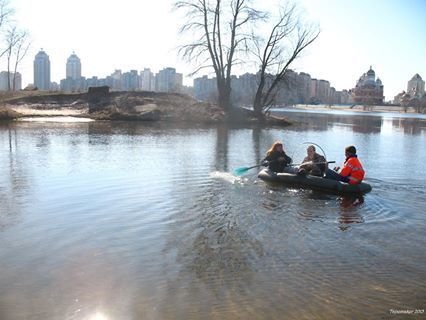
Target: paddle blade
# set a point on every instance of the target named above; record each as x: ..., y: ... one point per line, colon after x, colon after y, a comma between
x: 240, y: 171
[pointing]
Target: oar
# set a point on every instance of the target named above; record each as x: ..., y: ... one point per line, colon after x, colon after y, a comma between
x: 310, y: 162
x: 239, y: 171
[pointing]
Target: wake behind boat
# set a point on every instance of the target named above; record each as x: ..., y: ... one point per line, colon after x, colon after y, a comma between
x: 313, y: 182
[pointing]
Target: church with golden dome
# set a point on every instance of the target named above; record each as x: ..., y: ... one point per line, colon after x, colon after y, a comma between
x: 368, y: 89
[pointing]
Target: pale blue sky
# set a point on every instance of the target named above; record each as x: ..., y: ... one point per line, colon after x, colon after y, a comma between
x: 390, y: 35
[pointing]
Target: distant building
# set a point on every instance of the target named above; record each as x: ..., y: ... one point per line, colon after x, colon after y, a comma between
x: 115, y: 81
x: 368, y: 90
x: 205, y: 89
x: 147, y: 80
x: 73, y: 82
x: 343, y: 97
x: 313, y: 90
x: 415, y: 90
x: 400, y: 97
x: 178, y: 82
x: 73, y: 85
x: 332, y: 97
x: 167, y: 80
x: 10, y: 81
x: 42, y: 71
x: 416, y: 86
x: 243, y: 89
x: 323, y: 91
x: 73, y: 67
x: 295, y: 88
x: 287, y: 89
x: 92, y: 82
x: 131, y: 80
x: 304, y: 87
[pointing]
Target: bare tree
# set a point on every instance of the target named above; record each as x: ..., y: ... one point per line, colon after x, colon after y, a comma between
x: 11, y: 38
x: 405, y: 101
x: 20, y: 50
x: 5, y: 12
x: 287, y: 39
x: 221, y: 30
x: 17, y: 47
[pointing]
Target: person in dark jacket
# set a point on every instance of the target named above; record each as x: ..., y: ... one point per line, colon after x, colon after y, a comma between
x: 276, y: 159
x: 314, y: 163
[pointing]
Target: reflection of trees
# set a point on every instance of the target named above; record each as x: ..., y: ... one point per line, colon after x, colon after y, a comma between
x: 100, y: 133
x: 366, y: 125
x: 217, y: 249
x: 43, y: 140
x: 359, y: 123
x: 10, y: 137
x: 256, y: 144
x: 14, y: 187
x: 222, y: 148
x: 410, y: 126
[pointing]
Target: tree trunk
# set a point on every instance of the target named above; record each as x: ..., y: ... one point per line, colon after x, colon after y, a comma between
x: 224, y: 93
x: 257, y: 103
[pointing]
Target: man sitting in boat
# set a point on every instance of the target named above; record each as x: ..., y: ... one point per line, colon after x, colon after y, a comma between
x: 352, y: 171
x: 313, y: 164
x: 276, y: 159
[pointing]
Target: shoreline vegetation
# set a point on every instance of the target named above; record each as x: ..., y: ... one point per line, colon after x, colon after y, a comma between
x: 149, y: 106
x: 127, y: 106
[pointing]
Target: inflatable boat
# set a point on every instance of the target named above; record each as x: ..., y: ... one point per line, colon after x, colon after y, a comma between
x: 313, y: 182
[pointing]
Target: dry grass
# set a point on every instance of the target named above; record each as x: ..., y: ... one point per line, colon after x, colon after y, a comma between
x: 142, y: 105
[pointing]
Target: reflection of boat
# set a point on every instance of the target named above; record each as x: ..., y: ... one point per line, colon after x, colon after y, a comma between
x: 313, y: 182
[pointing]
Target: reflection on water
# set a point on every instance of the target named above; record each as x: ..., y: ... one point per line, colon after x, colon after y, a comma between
x: 362, y: 123
x: 131, y: 220
x: 350, y: 213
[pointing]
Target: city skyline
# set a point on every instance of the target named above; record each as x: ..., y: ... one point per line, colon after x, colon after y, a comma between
x: 122, y: 37
x: 165, y: 80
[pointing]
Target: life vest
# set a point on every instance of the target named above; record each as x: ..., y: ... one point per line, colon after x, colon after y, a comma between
x: 353, y: 170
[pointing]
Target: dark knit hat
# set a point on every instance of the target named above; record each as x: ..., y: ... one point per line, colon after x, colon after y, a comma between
x: 351, y: 150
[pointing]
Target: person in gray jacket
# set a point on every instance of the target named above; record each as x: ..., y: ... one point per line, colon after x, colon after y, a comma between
x: 313, y: 164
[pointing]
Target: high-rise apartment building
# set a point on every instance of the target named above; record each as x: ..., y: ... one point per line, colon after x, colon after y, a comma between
x: 73, y: 67
x: 42, y: 71
x: 10, y: 81
x: 323, y: 90
x: 147, y: 80
x: 131, y: 81
x: 293, y: 89
x: 168, y: 80
x: 205, y: 89
x: 73, y: 82
x: 304, y: 87
x: 416, y: 86
x: 116, y: 80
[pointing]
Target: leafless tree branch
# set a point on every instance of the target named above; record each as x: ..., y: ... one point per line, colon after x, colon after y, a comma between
x: 288, y: 34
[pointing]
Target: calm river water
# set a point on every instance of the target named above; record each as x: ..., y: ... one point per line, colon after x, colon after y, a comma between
x: 139, y: 221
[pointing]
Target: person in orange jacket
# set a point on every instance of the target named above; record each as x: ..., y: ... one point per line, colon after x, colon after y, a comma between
x: 352, y: 171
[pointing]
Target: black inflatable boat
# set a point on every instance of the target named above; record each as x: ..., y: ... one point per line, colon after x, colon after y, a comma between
x: 313, y: 182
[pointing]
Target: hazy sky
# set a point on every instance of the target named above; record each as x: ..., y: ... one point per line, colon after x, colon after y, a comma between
x: 390, y: 35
